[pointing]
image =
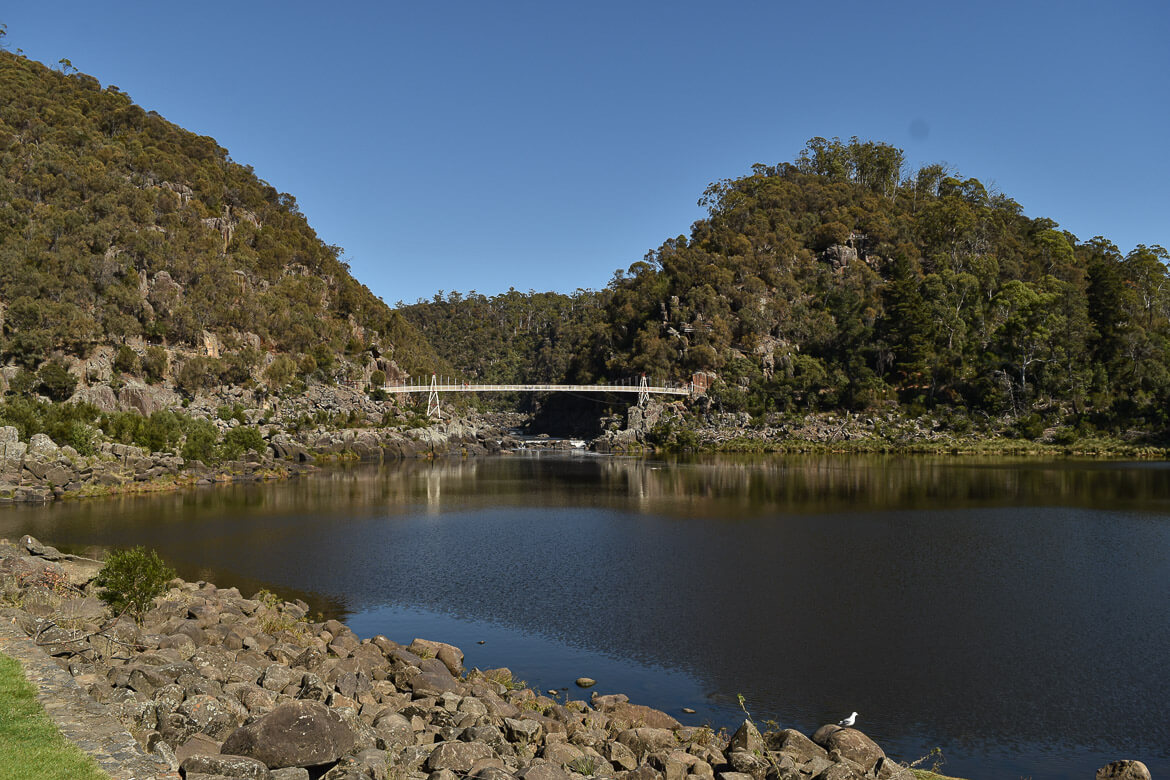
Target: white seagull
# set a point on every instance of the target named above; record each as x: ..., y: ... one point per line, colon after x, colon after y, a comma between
x: 849, y: 721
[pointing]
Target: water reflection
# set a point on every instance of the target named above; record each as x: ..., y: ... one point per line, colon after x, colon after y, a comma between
x: 1013, y: 612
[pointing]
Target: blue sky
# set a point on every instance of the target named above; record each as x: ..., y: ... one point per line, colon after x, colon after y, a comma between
x: 543, y: 145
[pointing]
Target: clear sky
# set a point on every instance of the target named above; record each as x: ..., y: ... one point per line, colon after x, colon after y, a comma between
x: 477, y: 145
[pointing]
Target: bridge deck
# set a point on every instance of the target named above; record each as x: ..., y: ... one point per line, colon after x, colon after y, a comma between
x: 473, y: 388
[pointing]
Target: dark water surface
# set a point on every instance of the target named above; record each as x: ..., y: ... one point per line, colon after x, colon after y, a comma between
x: 1014, y: 613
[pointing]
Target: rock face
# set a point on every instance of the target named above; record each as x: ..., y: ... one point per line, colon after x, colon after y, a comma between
x: 303, y: 733
x: 225, y: 686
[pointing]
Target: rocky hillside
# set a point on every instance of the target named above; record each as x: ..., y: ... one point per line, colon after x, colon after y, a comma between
x: 120, y: 232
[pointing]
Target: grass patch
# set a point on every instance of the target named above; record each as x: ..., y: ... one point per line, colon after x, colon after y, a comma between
x: 32, y: 747
x: 923, y: 774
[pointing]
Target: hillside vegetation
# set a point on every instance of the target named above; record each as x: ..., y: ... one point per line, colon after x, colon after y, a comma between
x: 841, y: 281
x: 118, y: 227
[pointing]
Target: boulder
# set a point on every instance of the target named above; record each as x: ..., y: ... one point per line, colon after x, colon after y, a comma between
x: 434, y: 684
x: 300, y: 733
x: 855, y: 746
x: 393, y: 730
x: 821, y: 735
x: 795, y: 744
x: 197, y: 745
x: 747, y: 737
x: 544, y: 772
x: 646, y: 740
x: 12, y: 449
x: 523, y: 732
x: 290, y: 773
x: 451, y: 656
x: 843, y: 770
x: 562, y: 753
x: 617, y: 706
x: 1124, y: 770
x: 226, y: 766
x: 41, y: 446
x: 457, y: 756
x: 211, y: 716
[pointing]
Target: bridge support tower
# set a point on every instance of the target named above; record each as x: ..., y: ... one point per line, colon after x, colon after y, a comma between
x: 433, y: 400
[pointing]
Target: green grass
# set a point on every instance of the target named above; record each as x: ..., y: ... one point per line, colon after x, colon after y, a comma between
x: 923, y: 774
x: 32, y: 747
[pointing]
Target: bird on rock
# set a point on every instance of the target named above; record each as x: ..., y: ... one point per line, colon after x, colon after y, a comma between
x: 849, y: 721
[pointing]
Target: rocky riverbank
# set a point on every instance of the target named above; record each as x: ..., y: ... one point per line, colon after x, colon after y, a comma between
x: 40, y: 470
x: 214, y: 685
x: 673, y: 427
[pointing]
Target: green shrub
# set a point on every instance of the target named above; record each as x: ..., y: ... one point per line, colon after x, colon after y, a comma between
x: 131, y: 579
x: 56, y: 380
x: 233, y: 412
x: 80, y: 437
x: 280, y: 372
x: 200, y: 442
x: 1030, y: 426
x: 23, y: 382
x: 237, y: 366
x: 239, y: 440
x: 127, y: 361
x: 197, y: 374
x: 154, y: 365
x: 161, y: 431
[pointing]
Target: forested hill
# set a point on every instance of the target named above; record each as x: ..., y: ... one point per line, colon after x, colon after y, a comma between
x: 117, y: 225
x: 842, y: 281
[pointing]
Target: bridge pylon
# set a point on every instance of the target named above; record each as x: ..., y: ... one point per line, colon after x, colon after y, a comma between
x: 643, y: 392
x: 433, y: 399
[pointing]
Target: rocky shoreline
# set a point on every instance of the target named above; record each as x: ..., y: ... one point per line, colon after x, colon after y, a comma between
x: 216, y: 685
x: 40, y: 470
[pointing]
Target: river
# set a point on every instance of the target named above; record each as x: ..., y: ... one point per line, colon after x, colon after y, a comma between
x: 1014, y: 613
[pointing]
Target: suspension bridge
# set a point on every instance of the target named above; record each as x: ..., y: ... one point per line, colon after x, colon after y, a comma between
x: 436, y: 386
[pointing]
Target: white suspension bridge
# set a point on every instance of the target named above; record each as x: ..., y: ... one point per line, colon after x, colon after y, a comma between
x: 436, y: 386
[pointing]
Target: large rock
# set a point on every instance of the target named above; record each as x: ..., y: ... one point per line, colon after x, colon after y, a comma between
x: 450, y: 655
x: 646, y: 740
x: 795, y: 744
x: 843, y: 770
x: 12, y: 449
x: 747, y: 737
x: 1124, y: 770
x: 621, y: 713
x: 855, y: 746
x: 459, y: 757
x: 225, y: 766
x: 821, y: 735
x: 301, y: 733
x: 41, y: 446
